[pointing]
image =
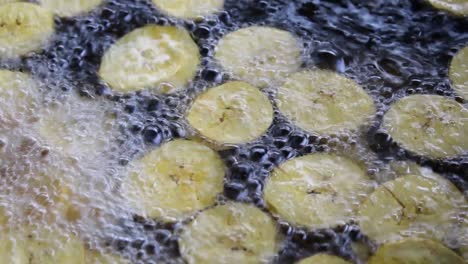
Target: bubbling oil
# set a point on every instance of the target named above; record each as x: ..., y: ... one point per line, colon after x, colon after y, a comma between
x: 61, y: 165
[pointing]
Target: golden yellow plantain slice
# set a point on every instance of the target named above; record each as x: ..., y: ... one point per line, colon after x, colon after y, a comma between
x: 323, y: 259
x: 78, y: 128
x: 457, y: 7
x: 4, y: 219
x: 410, y: 206
x: 44, y: 246
x: 163, y: 58
x: 231, y: 233
x: 261, y: 56
x: 12, y: 250
x: 415, y: 251
x: 232, y: 113
x: 361, y: 250
x: 317, y: 190
x: 30, y: 245
x: 42, y: 195
x: 42, y: 186
x: 324, y: 102
x: 457, y: 235
x: 68, y: 8
x: 404, y: 168
x: 189, y: 9
x: 174, y: 181
x: 18, y: 98
x: 429, y: 125
x: 9, y: 1
x: 96, y: 257
x: 24, y: 27
x: 458, y: 72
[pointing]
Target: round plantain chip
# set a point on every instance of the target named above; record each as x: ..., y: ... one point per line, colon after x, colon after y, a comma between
x: 98, y: 257
x: 429, y: 125
x: 45, y: 198
x: 317, y: 190
x: 232, y: 113
x: 40, y: 193
x: 456, y: 7
x: 69, y: 8
x: 457, y: 234
x: 24, y: 27
x: 77, y: 128
x: 18, y: 98
x: 415, y: 251
x: 189, y: 9
x: 231, y: 233
x: 174, y: 181
x: 12, y: 250
x: 410, y: 206
x: 27, y: 238
x: 323, y: 259
x: 404, y: 168
x: 163, y: 58
x: 8, y: 1
x: 333, y: 102
x: 261, y: 56
x: 458, y: 72
x: 54, y: 247
x: 30, y: 245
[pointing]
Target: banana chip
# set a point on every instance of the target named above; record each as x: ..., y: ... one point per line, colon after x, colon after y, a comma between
x: 190, y: 9
x: 8, y: 1
x: 12, y: 250
x: 323, y: 259
x: 29, y: 231
x: 96, y: 257
x: 231, y: 233
x: 18, y: 98
x: 334, y: 102
x: 68, y: 8
x: 174, y: 181
x: 457, y: 7
x: 232, y: 113
x: 78, y: 128
x: 28, y: 245
x: 415, y: 251
x: 163, y: 58
x: 410, y: 206
x: 403, y: 168
x: 261, y: 56
x: 54, y: 247
x: 317, y: 190
x: 458, y: 72
x: 429, y: 125
x: 24, y: 27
